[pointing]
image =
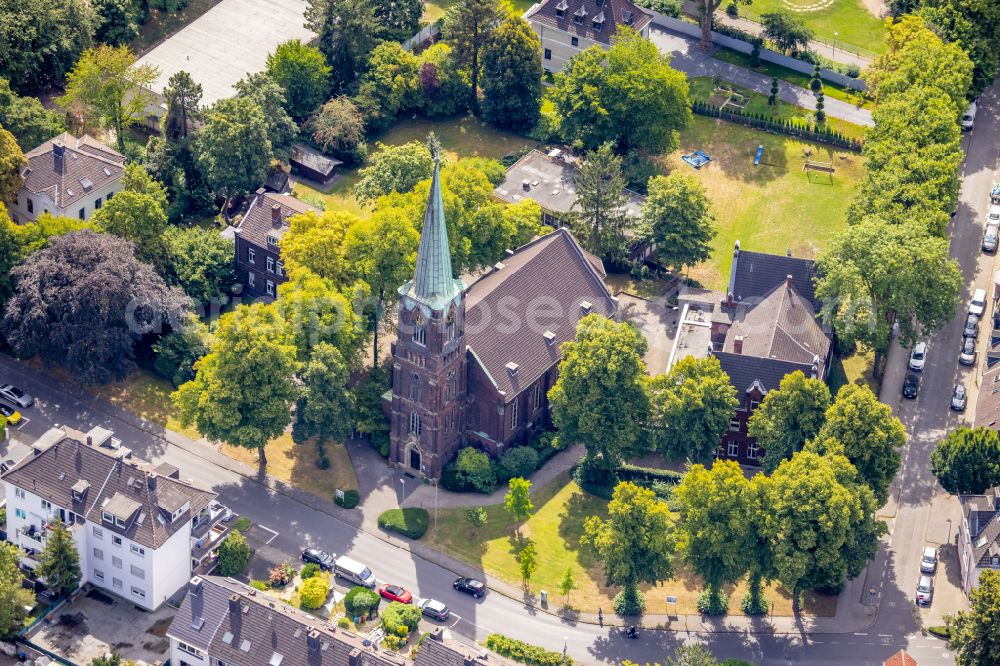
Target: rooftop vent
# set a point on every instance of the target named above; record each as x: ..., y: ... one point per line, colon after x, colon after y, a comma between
x: 512, y: 368
x: 627, y: 17
x: 69, y: 193
x: 245, y: 646
x: 550, y: 337
x: 86, y: 184
x: 586, y: 306
x: 107, y: 171
x: 526, y: 185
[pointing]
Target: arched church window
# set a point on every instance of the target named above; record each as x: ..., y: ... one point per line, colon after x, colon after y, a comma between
x: 450, y: 327
x: 419, y: 330
x: 415, y: 423
x: 415, y: 387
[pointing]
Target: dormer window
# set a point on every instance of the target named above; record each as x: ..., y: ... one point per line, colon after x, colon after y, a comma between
x: 561, y: 9
x: 599, y: 22
x: 272, y: 240
x: 579, y: 15
x: 627, y: 17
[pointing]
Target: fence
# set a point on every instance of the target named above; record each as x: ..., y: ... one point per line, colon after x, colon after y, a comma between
x: 426, y: 35
x: 767, y: 55
x: 790, y: 128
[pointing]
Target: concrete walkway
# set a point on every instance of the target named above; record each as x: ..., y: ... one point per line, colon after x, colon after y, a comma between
x: 841, y: 54
x: 687, y: 57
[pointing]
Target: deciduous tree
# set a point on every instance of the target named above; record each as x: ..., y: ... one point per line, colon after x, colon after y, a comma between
x: 302, y: 72
x: 25, y: 117
x: 84, y: 301
x: 233, y: 148
x: 234, y: 554
x: 789, y: 416
x: 111, y: 88
x: 178, y: 351
x: 338, y: 128
x: 397, y: 20
x: 316, y: 241
x: 634, y: 544
x: 877, y: 274
x: 974, y: 636
x: 600, y: 397
x: 691, y: 408
x: 628, y: 95
x: 712, y: 528
x: 967, y: 461
x: 59, y: 563
x: 116, y: 23
x: 517, y: 501
x: 40, y: 40
x: 326, y: 404
x: 394, y: 169
x: 317, y: 312
x: 788, y: 31
x: 706, y: 11
x: 975, y: 25
x: 199, y: 261
x: 12, y: 162
x: 264, y: 91
x: 864, y: 430
x: 476, y: 517
x: 243, y: 392
x: 468, y: 28
x: 512, y: 75
x: 677, y: 216
x: 14, y: 599
x: 567, y: 583
x: 138, y: 214
x: 527, y: 560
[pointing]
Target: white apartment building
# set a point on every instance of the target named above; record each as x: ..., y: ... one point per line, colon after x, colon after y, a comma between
x: 140, y: 531
x: 566, y: 27
x: 68, y: 177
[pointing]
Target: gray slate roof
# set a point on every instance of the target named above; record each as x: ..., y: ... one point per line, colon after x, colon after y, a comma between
x: 744, y: 370
x: 117, y: 479
x: 983, y: 515
x: 240, y: 625
x: 87, y: 165
x: 754, y: 274
x: 551, y: 183
x: 540, y: 288
x: 257, y: 223
x: 433, y: 283
x: 614, y: 12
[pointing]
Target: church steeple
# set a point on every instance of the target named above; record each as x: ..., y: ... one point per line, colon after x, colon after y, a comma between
x: 433, y: 284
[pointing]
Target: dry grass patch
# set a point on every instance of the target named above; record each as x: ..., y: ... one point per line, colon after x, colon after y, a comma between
x: 296, y: 464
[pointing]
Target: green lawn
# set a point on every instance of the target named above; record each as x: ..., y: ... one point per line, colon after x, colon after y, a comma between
x: 463, y: 136
x: 858, y: 30
x: 703, y: 88
x: 796, y: 78
x: 771, y: 208
x: 853, y: 368
x: 435, y: 10
x: 555, y: 529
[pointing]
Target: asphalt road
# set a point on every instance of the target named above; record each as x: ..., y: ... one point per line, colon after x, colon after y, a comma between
x: 297, y: 525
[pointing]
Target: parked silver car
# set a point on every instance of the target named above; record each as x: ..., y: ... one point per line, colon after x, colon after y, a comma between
x: 991, y: 237
x: 968, y: 354
x: 958, y: 398
x: 925, y: 591
x: 16, y: 395
x: 928, y: 561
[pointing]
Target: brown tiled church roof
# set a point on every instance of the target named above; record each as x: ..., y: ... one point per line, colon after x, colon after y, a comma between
x: 561, y: 14
x: 540, y: 288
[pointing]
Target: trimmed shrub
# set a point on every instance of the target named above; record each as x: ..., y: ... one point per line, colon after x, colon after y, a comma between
x: 313, y: 592
x: 411, y: 522
x: 234, y: 555
x: 519, y: 461
x: 940, y: 631
x: 525, y: 652
x: 630, y: 601
x: 713, y: 604
x: 351, y: 499
x: 361, y: 601
x: 398, y: 615
x: 472, y: 471
x: 310, y: 570
x: 344, y: 623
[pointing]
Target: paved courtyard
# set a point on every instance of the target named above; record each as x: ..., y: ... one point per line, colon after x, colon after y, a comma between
x: 658, y: 323
x: 96, y: 623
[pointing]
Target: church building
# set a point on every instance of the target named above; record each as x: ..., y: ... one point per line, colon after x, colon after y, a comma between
x: 473, y: 364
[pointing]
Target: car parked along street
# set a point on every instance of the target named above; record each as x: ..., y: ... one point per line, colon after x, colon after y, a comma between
x: 15, y: 395
x: 958, y: 398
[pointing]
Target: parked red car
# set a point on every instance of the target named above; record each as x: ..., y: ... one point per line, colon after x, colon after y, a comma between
x: 395, y: 593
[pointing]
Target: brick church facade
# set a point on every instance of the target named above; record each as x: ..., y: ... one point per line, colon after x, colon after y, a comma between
x: 472, y: 365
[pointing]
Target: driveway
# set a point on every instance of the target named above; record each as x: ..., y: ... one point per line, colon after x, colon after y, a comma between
x: 688, y: 58
x: 658, y: 323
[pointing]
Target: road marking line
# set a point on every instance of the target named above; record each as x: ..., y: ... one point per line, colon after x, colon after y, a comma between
x: 274, y: 535
x: 856, y: 633
x: 885, y: 635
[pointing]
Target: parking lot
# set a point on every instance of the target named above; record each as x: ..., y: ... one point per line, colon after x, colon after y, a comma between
x: 96, y: 623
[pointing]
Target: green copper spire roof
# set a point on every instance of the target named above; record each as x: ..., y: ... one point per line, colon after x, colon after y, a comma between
x: 433, y: 283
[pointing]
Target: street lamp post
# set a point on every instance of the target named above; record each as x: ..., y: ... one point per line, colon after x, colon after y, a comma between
x: 436, y: 484
x: 835, y: 44
x: 565, y: 647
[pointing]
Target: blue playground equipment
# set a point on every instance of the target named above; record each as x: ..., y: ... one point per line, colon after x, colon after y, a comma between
x: 697, y: 159
x: 760, y: 151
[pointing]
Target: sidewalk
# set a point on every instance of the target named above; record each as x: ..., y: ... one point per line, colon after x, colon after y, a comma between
x: 840, y: 54
x: 847, y: 619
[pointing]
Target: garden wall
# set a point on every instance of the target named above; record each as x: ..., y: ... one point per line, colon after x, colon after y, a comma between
x: 692, y: 30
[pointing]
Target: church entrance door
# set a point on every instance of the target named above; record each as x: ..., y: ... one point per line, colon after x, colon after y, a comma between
x: 415, y: 459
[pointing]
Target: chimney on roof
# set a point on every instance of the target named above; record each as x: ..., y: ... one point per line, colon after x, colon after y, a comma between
x: 526, y: 185
x: 788, y: 281
x: 738, y: 344
x: 194, y: 585
x: 586, y: 306
x: 508, y: 252
x: 276, y: 215
x: 90, y: 440
x: 512, y: 368
x: 730, y: 301
x: 354, y: 657
x: 736, y: 249
x: 437, y: 634
x: 312, y: 640
x: 788, y: 252
x: 58, y: 156
x: 151, y: 481
x: 234, y: 604
x: 550, y: 337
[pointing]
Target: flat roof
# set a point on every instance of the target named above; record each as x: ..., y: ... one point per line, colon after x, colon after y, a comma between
x: 228, y: 42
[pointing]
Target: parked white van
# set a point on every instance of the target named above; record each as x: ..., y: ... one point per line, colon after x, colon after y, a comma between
x: 978, y: 303
x: 354, y: 571
x: 969, y: 119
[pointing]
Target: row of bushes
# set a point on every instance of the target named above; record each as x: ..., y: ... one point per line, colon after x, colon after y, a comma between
x: 411, y: 522
x: 474, y: 471
x: 601, y: 483
x: 811, y: 57
x: 525, y: 652
x: 806, y: 131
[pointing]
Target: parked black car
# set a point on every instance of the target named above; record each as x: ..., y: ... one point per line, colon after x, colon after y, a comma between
x: 319, y: 557
x: 476, y: 588
x: 911, y: 386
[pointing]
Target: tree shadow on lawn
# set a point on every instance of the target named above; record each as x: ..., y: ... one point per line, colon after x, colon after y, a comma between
x: 579, y: 508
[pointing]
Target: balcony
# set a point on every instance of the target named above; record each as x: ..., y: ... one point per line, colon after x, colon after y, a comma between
x: 31, y: 537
